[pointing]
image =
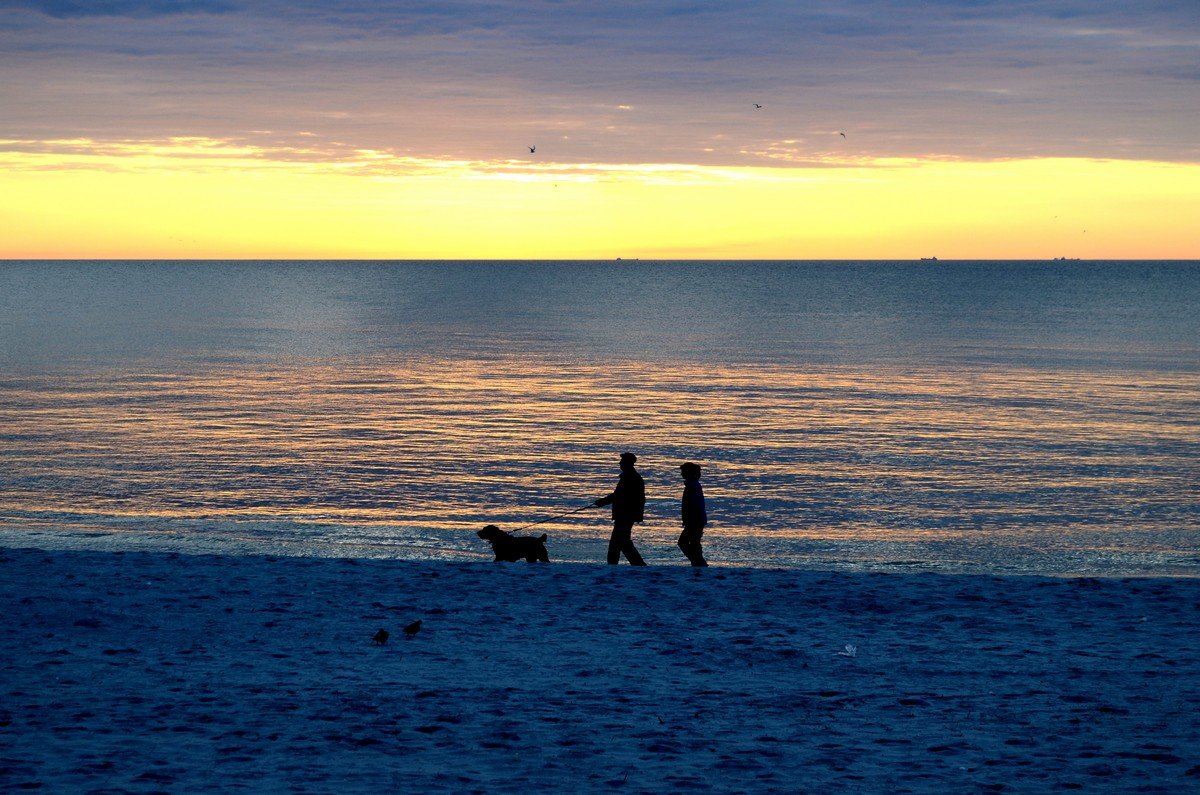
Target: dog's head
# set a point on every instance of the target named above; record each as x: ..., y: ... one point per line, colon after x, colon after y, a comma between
x: 492, y: 533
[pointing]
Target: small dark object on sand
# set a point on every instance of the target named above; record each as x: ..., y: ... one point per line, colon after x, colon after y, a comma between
x: 380, y: 637
x: 412, y: 629
x: 510, y: 548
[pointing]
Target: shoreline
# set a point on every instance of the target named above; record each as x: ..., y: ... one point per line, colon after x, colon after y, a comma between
x: 587, y: 548
x: 141, y: 671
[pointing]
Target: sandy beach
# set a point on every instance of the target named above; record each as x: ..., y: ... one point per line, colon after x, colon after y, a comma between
x: 166, y: 672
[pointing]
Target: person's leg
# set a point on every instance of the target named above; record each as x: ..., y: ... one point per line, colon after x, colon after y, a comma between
x: 631, y: 554
x: 689, y: 542
x: 615, y: 542
x: 622, y: 542
x: 685, y: 545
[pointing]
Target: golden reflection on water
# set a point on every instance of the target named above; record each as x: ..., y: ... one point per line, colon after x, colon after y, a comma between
x: 431, y: 445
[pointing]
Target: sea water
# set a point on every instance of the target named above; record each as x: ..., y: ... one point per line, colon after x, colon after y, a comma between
x: 1003, y: 417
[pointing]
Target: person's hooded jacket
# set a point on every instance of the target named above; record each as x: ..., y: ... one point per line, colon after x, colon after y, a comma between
x: 692, y: 507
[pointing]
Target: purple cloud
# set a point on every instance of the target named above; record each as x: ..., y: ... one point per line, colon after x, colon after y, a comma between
x: 618, y: 81
x: 63, y: 9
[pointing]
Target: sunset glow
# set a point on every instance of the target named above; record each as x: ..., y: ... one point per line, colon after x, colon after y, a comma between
x: 210, y: 198
x: 850, y: 129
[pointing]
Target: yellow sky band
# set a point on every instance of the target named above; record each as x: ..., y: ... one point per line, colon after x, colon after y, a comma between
x: 194, y: 198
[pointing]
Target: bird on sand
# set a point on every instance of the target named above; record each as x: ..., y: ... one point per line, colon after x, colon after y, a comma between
x: 412, y: 629
x: 532, y: 149
x: 380, y: 637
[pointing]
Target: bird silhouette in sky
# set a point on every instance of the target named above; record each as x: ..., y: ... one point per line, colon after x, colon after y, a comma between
x: 842, y: 134
x: 757, y: 106
x: 532, y: 149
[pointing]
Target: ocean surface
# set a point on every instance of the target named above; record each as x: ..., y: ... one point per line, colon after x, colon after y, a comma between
x: 998, y: 417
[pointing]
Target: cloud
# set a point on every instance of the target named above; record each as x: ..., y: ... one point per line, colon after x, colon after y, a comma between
x: 302, y: 155
x: 616, y: 82
x: 64, y: 9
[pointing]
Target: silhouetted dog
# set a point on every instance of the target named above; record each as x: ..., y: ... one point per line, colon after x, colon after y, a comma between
x: 510, y: 548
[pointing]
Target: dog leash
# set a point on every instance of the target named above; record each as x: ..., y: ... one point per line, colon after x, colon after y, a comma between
x: 558, y: 516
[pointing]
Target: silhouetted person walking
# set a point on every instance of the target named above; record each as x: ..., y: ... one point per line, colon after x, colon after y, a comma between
x: 628, y: 502
x: 693, y: 513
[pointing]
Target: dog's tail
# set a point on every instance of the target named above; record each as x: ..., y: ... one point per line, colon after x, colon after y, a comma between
x: 543, y: 538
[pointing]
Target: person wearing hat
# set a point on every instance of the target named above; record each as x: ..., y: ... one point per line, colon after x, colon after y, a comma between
x: 628, y: 502
x: 693, y: 513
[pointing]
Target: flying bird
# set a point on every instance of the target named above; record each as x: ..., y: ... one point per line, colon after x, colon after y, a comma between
x: 532, y: 149
x: 757, y: 105
x: 380, y: 637
x: 412, y: 629
x: 842, y: 134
